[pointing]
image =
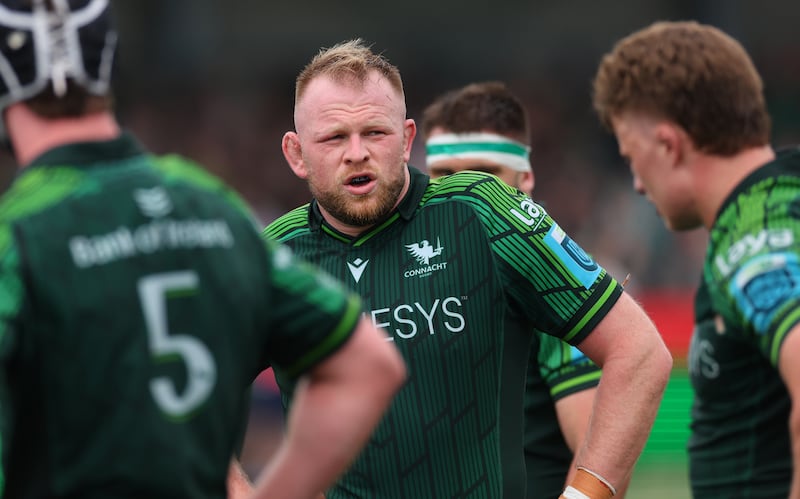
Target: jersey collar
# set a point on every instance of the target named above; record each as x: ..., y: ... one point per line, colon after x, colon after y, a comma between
x: 416, y: 189
x: 87, y: 153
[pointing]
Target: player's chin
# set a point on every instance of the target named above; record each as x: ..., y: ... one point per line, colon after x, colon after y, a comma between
x: 367, y: 210
x: 681, y: 222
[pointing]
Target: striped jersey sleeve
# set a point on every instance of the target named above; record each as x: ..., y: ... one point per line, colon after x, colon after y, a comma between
x: 753, y: 262
x: 547, y: 275
x: 564, y: 368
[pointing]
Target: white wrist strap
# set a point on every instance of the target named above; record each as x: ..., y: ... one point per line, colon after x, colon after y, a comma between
x: 572, y: 493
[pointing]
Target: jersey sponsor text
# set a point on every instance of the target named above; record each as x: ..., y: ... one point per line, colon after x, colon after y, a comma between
x: 406, y: 320
x: 749, y: 245
x: 158, y: 235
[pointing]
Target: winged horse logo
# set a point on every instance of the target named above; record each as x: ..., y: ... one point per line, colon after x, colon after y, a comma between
x: 423, y: 251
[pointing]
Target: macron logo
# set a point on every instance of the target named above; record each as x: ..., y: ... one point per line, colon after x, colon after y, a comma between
x: 357, y: 268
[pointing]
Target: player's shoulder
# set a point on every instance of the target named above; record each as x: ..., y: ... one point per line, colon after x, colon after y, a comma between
x: 288, y: 225
x: 28, y: 194
x: 37, y: 189
x: 488, y: 196
x: 774, y: 183
x: 179, y: 169
x: 470, y: 185
x: 463, y: 180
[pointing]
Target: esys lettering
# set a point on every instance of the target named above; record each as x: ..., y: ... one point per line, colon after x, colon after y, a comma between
x: 407, y: 320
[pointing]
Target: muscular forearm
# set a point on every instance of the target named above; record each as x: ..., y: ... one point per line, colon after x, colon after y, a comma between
x: 325, y: 432
x: 334, y: 411
x: 574, y: 412
x: 626, y: 403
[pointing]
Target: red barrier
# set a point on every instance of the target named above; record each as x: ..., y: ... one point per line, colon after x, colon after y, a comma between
x: 672, y: 310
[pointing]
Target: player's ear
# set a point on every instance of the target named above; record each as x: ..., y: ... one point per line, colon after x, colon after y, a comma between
x: 526, y: 182
x: 294, y: 154
x: 671, y: 141
x: 409, y: 132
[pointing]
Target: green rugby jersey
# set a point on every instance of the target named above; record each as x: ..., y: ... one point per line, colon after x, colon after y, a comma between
x: 749, y: 300
x: 137, y: 304
x: 460, y: 275
x: 555, y: 370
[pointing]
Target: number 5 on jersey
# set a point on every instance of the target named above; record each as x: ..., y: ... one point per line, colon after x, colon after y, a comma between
x: 154, y: 290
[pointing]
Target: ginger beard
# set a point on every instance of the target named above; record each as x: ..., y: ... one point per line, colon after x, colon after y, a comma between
x: 361, y: 210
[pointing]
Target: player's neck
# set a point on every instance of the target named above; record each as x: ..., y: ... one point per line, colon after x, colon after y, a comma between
x: 33, y: 135
x: 718, y: 176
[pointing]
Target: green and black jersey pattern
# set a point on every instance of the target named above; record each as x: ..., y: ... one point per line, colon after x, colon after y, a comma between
x: 460, y: 276
x: 137, y: 304
x: 556, y: 370
x: 747, y: 304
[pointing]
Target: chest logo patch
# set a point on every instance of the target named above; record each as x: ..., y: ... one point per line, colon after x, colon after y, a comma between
x: 423, y: 252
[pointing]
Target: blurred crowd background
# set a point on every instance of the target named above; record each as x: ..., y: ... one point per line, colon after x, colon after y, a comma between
x: 214, y: 80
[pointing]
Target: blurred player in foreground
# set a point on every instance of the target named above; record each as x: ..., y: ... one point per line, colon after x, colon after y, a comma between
x: 138, y: 301
x: 461, y: 271
x: 686, y: 105
x: 484, y: 127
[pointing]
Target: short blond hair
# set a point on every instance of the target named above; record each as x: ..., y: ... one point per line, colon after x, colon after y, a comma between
x: 351, y: 60
x: 692, y: 74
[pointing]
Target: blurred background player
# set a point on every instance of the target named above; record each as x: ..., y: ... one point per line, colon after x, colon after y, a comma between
x: 461, y: 271
x: 687, y: 107
x: 138, y: 301
x: 484, y: 127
